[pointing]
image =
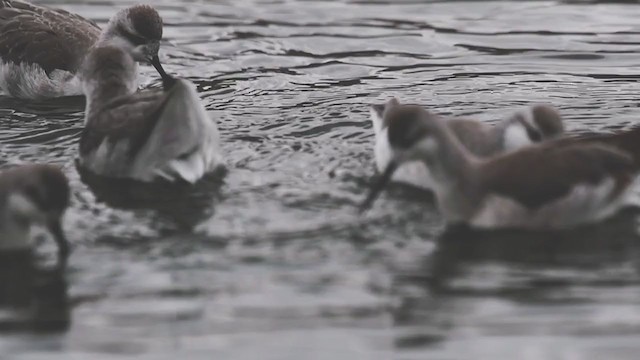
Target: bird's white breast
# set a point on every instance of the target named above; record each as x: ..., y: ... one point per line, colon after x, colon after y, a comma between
x: 515, y: 137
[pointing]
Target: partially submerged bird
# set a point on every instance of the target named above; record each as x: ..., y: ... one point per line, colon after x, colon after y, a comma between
x: 534, y: 124
x: 42, y: 49
x: 148, y: 135
x: 539, y: 187
x: 32, y: 194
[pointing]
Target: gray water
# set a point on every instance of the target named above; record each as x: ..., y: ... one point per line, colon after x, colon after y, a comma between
x: 271, y: 260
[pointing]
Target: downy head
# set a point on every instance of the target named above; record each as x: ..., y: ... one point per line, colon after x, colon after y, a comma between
x: 534, y: 124
x: 37, y: 194
x: 138, y: 31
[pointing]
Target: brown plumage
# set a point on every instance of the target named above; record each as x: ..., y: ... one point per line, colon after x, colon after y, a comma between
x: 534, y: 175
x: 546, y: 119
x: 146, y: 22
x: 42, y: 49
x: 624, y: 140
x: 45, y: 185
x: 540, y: 174
x: 126, y: 117
x: 549, y: 185
x: 51, y: 38
x: 33, y: 194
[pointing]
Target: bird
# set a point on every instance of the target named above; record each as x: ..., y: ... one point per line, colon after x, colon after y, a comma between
x: 624, y: 140
x: 42, y: 48
x: 538, y: 187
x: 146, y: 135
x: 32, y: 194
x: 536, y: 123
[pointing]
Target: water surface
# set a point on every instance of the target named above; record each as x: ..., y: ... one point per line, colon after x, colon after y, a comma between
x: 271, y: 261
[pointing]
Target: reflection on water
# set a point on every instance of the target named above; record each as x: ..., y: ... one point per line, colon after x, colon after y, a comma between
x: 271, y: 259
x: 182, y: 204
x: 32, y: 298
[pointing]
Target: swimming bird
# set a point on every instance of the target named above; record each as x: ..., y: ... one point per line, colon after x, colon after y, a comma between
x: 541, y: 187
x: 32, y: 194
x: 153, y: 134
x: 530, y: 125
x: 624, y: 140
x: 41, y: 48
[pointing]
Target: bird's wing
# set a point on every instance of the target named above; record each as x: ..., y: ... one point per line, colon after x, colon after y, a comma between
x: 539, y: 174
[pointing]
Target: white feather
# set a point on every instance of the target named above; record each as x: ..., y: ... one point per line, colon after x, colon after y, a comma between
x: 30, y: 81
x: 515, y: 137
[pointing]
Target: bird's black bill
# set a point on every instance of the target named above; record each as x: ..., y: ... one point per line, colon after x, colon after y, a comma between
x: 167, y: 80
x: 55, y: 227
x: 378, y: 186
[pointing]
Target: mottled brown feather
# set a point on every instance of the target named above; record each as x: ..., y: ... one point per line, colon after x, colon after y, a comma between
x: 51, y: 38
x: 128, y: 117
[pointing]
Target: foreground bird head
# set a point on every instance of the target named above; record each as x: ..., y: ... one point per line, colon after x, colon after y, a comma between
x: 534, y: 124
x: 138, y: 31
x: 34, y: 195
x: 413, y: 134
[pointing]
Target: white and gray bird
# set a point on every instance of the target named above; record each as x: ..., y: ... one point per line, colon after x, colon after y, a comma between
x: 41, y: 48
x: 525, y: 127
x: 147, y: 135
x: 32, y: 195
x: 551, y: 185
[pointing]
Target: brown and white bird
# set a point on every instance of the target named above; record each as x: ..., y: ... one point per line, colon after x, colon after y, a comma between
x: 32, y: 195
x: 146, y: 135
x: 539, y: 187
x: 41, y: 48
x: 528, y: 126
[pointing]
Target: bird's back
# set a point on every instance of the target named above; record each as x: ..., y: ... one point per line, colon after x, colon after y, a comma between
x: 54, y: 39
x: 540, y: 174
x: 151, y: 134
x: 478, y: 137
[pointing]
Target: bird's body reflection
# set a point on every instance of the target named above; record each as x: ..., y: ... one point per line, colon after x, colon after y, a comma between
x: 518, y: 268
x: 32, y: 297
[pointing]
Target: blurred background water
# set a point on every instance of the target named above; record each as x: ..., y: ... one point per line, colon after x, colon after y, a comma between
x: 271, y: 261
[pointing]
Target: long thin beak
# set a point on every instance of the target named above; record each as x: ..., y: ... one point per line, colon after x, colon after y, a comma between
x: 55, y: 227
x: 167, y: 80
x: 378, y: 186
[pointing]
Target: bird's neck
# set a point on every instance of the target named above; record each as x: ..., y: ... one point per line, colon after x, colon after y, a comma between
x: 452, y: 162
x: 108, y: 84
